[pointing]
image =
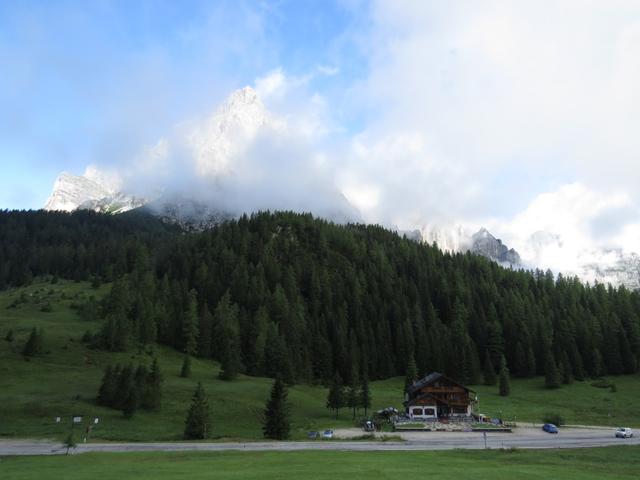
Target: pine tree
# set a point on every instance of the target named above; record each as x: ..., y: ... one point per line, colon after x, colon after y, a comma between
x: 365, y: 395
x: 197, y: 423
x: 123, y: 388
x: 108, y: 387
x: 353, y: 395
x: 531, y: 363
x: 277, y: 412
x: 153, y: 392
x: 34, y: 345
x: 567, y: 371
x: 551, y: 374
x: 231, y: 364
x: 411, y: 374
x: 335, y: 397
x: 190, y: 326
x: 9, y: 336
x: 126, y: 398
x: 185, y: 371
x: 489, y: 373
x: 504, y: 387
x: 130, y: 402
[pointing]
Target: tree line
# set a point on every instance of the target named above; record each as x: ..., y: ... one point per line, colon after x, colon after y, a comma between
x: 289, y: 295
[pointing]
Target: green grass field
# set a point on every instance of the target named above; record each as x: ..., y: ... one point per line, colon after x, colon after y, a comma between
x: 64, y: 382
x: 583, y: 464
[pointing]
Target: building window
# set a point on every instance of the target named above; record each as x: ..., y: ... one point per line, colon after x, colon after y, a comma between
x: 417, y: 411
x: 429, y: 412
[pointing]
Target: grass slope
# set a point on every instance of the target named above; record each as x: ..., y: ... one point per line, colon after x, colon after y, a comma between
x: 583, y: 464
x: 65, y: 381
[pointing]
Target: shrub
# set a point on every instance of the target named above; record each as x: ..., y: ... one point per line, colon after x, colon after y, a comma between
x: 601, y: 383
x: 554, y: 418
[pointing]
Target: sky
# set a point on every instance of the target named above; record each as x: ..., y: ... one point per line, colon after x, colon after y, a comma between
x: 519, y: 116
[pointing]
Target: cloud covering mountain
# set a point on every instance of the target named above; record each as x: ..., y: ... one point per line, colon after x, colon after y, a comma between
x: 516, y: 116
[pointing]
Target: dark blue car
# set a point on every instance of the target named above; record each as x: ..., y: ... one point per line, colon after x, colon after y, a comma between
x: 550, y: 428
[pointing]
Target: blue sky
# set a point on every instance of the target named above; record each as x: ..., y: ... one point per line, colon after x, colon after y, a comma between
x: 520, y: 116
x: 87, y: 80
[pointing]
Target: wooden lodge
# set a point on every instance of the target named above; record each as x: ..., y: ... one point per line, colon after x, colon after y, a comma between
x: 437, y: 397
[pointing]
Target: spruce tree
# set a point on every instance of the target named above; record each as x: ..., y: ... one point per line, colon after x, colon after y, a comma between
x: 531, y: 363
x: 34, y: 345
x: 411, y: 373
x: 127, y: 396
x: 185, y: 371
x: 277, y: 412
x: 365, y: 395
x: 335, y: 397
x: 567, y: 371
x: 231, y: 364
x: 504, y: 387
x: 197, y: 423
x: 353, y: 395
x: 130, y: 402
x: 108, y: 387
x: 489, y: 373
x: 190, y: 326
x: 153, y: 393
x: 551, y: 374
x: 123, y: 387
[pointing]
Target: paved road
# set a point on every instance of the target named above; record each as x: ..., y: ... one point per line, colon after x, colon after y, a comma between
x: 523, y: 438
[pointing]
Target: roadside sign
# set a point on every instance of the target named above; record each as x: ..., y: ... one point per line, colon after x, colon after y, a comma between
x: 58, y: 419
x: 77, y: 419
x: 96, y: 421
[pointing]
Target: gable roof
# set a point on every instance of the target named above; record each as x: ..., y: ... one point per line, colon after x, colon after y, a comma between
x: 432, y: 377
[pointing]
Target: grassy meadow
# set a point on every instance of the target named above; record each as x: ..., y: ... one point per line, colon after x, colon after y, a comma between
x: 582, y: 464
x: 65, y: 380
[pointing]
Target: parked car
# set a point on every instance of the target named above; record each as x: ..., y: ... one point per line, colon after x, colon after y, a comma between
x: 550, y: 428
x: 622, y: 432
x: 327, y: 434
x: 313, y: 435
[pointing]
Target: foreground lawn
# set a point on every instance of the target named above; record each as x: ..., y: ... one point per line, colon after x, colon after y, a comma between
x: 65, y: 381
x: 582, y: 464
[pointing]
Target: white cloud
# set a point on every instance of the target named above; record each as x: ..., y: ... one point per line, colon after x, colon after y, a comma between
x: 328, y: 70
x: 474, y: 109
x: 272, y: 84
x: 569, y: 228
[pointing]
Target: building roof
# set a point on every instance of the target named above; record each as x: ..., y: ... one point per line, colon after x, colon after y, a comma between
x: 432, y: 377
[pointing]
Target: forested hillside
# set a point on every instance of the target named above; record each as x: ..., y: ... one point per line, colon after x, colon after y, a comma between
x: 287, y: 294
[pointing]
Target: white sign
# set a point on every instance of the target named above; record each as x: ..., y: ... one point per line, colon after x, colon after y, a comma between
x: 77, y: 419
x: 96, y: 420
x: 58, y: 419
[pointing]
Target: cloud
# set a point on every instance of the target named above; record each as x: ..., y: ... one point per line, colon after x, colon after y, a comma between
x: 271, y: 84
x: 569, y: 228
x: 474, y: 109
x: 328, y: 70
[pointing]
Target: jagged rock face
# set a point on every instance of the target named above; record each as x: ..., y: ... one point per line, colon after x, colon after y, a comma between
x: 448, y: 238
x: 459, y: 239
x: 212, y: 146
x: 189, y: 214
x: 485, y: 244
x: 71, y: 191
x: 229, y: 131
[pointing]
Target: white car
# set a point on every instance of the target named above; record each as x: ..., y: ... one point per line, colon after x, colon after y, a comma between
x: 327, y: 434
x: 624, y: 432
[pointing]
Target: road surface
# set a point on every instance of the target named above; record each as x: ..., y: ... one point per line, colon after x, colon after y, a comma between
x: 521, y: 438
